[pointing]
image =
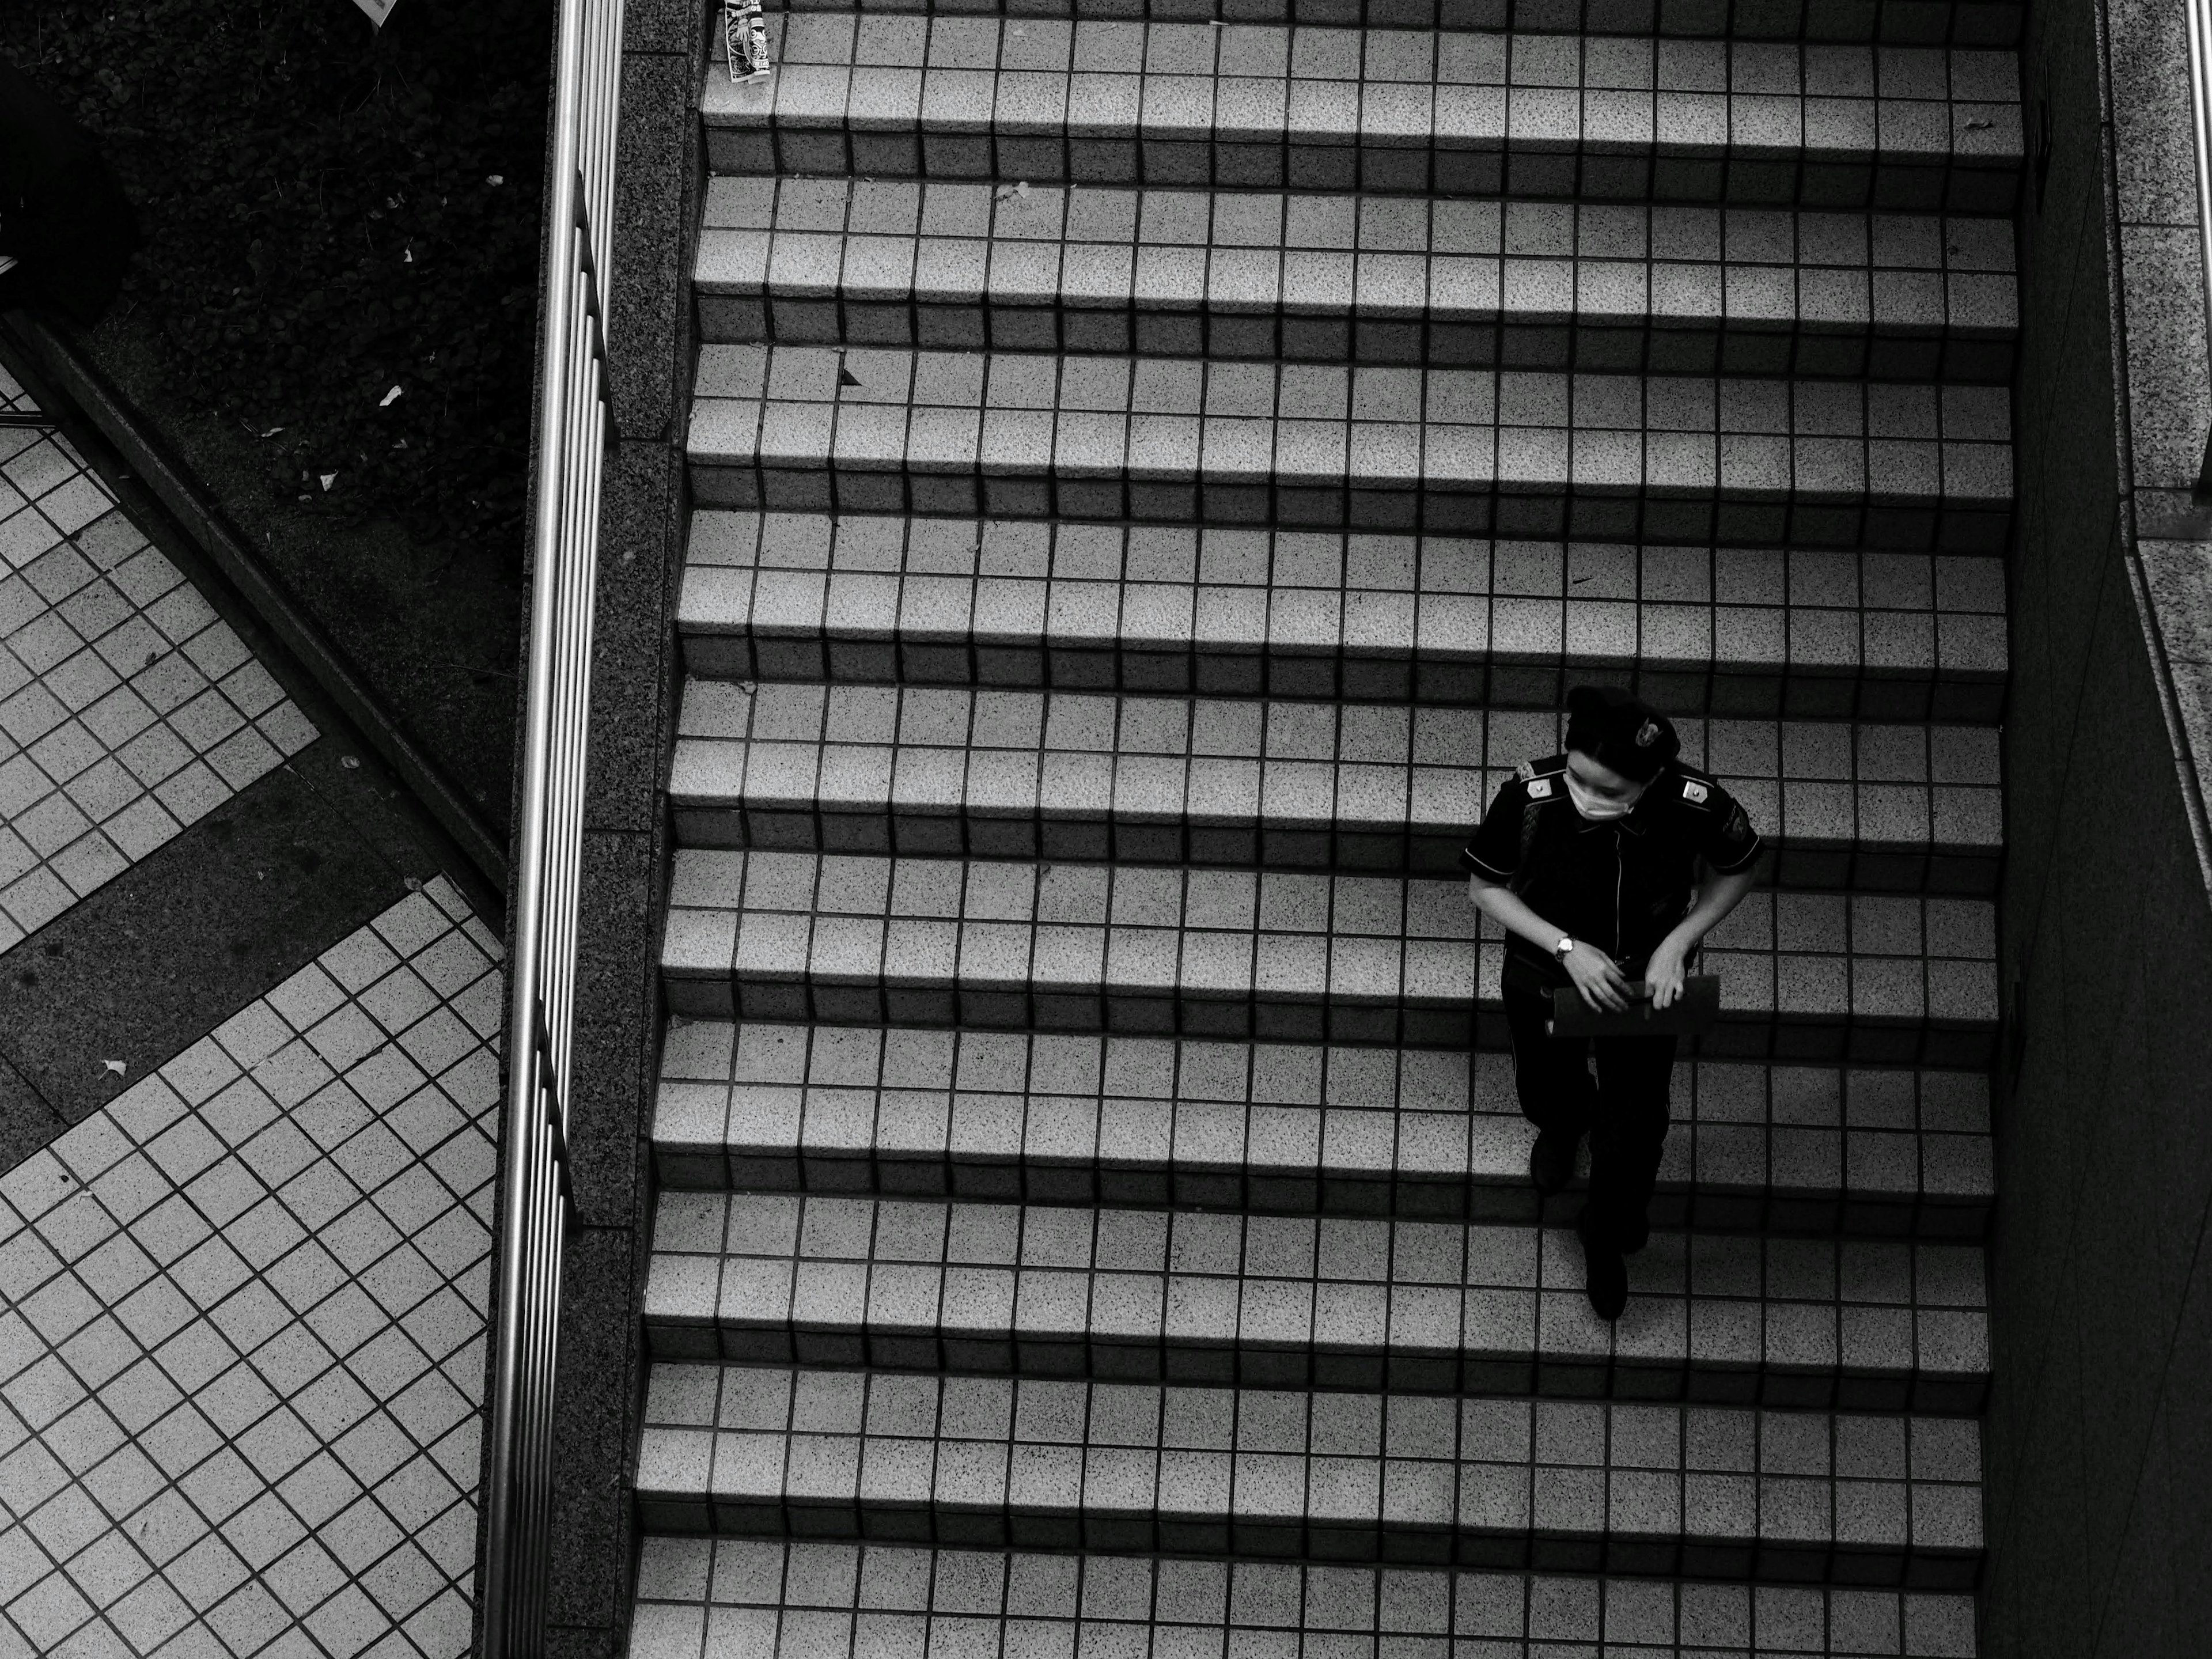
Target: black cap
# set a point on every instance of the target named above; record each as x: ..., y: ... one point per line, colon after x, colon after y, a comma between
x: 1620, y: 731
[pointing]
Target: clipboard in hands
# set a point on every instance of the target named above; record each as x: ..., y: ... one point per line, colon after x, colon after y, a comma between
x: 1693, y: 1013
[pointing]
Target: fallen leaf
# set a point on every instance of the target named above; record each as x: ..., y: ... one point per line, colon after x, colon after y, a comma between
x: 328, y: 478
x: 273, y: 432
x: 349, y: 763
x: 114, y: 1065
x: 407, y: 257
x: 495, y: 178
x: 392, y: 397
x: 414, y: 884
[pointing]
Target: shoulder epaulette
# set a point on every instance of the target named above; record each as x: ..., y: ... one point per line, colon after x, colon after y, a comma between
x: 1542, y: 782
x: 1691, y: 785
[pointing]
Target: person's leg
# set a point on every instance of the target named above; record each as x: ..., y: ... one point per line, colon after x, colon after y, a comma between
x: 1629, y: 1135
x: 1552, y: 1078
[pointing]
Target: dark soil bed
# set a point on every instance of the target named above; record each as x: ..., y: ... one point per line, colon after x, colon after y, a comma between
x: 332, y: 213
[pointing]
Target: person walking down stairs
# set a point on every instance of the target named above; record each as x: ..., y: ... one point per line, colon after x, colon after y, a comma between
x: 1590, y: 861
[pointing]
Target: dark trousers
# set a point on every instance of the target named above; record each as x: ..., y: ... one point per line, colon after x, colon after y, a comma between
x: 1624, y: 1110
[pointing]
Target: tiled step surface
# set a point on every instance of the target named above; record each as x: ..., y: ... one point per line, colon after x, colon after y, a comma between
x: 1010, y: 602
x: 1670, y: 458
x: 1083, y: 1124
x: 1455, y: 111
x: 1206, y: 781
x: 857, y: 939
x: 1891, y: 23
x: 1287, y: 1128
x: 1293, y: 1301
x: 1702, y: 1491
x: 1087, y: 268
x: 702, y: 1596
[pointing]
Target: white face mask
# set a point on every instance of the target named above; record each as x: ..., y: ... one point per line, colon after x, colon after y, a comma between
x: 1598, y: 809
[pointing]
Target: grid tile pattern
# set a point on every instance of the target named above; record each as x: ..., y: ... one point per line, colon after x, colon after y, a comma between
x: 856, y: 939
x: 1679, y: 459
x: 1255, y: 105
x: 1897, y: 22
x: 700, y: 1598
x: 242, y: 1324
x: 1300, y: 1302
x: 1485, y: 1481
x: 1290, y: 1128
x: 1366, y: 279
x: 1872, y: 635
x: 1074, y: 774
x: 1143, y: 462
x: 128, y: 709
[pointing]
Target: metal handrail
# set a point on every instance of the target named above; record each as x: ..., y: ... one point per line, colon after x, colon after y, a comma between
x: 574, y: 426
x: 2197, y: 16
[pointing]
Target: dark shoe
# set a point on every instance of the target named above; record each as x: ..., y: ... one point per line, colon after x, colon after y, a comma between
x: 1552, y: 1161
x: 1604, y: 1276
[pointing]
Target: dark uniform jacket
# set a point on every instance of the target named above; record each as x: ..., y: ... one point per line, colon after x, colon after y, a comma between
x: 1620, y: 884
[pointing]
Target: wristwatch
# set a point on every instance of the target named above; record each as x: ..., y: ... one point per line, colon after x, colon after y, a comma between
x: 1566, y: 943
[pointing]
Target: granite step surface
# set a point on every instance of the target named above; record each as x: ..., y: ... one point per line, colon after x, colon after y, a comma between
x: 950, y: 772
x: 1701, y: 1490
x: 1890, y: 23
x: 699, y: 1595
x: 1363, y: 617
x: 1293, y: 1129
x: 860, y: 939
x: 1295, y: 1302
x: 1376, y: 279
x: 1238, y: 106
x: 1157, y: 465
x: 1677, y: 458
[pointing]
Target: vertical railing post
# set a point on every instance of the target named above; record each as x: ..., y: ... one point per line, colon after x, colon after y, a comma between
x: 574, y: 421
x: 2197, y: 18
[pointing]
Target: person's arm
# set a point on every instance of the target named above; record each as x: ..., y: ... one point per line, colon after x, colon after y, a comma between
x: 1595, y: 974
x: 1717, y: 896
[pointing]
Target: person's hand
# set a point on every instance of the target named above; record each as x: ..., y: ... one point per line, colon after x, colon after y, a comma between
x: 1597, y: 976
x: 1664, y: 972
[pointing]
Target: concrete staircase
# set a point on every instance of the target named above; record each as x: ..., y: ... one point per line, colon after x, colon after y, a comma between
x: 1155, y: 474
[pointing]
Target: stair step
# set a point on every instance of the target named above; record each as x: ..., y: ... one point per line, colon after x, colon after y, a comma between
x: 948, y: 772
x: 1376, y: 279
x: 1704, y: 1491
x: 1265, y: 106
x: 1892, y: 22
x: 1676, y: 459
x: 1289, y: 1128
x: 1293, y: 1301
x: 834, y: 1601
x: 854, y: 939
x: 1874, y: 635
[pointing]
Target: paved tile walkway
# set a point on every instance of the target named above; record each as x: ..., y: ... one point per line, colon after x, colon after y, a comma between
x: 128, y: 709
x: 242, y: 1324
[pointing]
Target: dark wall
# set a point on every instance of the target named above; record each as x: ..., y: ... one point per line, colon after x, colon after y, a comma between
x: 2098, y: 1442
